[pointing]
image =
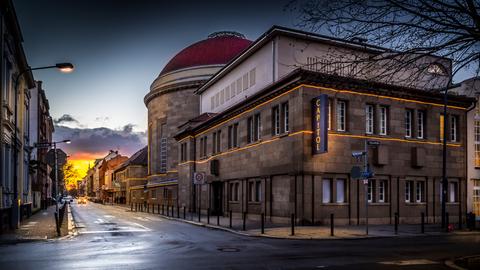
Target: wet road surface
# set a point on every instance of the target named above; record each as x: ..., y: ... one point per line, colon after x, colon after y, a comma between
x: 113, y: 238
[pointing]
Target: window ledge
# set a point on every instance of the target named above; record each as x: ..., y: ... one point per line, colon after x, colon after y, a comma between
x: 415, y: 203
x: 250, y: 202
x: 379, y: 203
x: 233, y: 201
x: 335, y: 204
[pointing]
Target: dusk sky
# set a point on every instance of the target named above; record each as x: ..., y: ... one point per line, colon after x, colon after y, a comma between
x: 118, y: 49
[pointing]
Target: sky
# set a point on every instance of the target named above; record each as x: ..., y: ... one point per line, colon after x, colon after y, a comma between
x: 118, y: 49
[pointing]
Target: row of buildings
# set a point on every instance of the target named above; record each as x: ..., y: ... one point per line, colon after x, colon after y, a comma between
x: 26, y: 170
x: 269, y: 127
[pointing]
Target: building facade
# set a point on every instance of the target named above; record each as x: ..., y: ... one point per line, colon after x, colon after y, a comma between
x: 130, y: 178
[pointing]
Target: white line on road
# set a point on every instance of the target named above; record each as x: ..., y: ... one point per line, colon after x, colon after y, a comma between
x: 410, y: 262
x: 119, y: 231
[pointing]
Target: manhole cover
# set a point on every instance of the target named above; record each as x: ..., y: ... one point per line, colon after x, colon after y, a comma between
x: 228, y: 249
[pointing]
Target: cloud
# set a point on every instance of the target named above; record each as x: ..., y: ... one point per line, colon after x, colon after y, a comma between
x: 66, y: 118
x: 91, y: 143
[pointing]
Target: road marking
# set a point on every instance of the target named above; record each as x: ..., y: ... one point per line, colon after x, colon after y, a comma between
x: 109, y: 216
x: 119, y: 231
x: 141, y: 226
x: 99, y: 220
x: 410, y: 262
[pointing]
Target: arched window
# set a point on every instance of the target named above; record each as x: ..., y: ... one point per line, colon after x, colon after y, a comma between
x: 437, y: 69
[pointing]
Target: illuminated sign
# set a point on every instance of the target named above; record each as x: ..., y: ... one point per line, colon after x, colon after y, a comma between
x: 320, y: 124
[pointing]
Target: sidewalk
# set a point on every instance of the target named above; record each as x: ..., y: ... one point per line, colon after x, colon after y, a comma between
x: 283, y: 231
x: 40, y: 226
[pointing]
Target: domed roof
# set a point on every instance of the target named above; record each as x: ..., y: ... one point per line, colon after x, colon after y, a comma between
x: 218, y: 48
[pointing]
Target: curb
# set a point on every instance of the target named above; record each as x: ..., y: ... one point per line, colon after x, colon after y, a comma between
x: 241, y: 233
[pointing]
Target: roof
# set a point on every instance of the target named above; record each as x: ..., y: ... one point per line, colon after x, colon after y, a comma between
x: 139, y: 158
x: 218, y: 48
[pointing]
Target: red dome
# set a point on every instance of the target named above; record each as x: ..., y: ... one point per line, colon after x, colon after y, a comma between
x: 218, y: 48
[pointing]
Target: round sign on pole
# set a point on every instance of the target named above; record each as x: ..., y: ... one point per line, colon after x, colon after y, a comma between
x: 356, y: 172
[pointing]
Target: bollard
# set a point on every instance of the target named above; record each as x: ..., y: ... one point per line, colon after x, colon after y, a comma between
x: 230, y: 224
x: 396, y: 223
x: 293, y: 224
x: 244, y: 227
x: 218, y: 219
x: 173, y: 212
x: 208, y: 215
x: 158, y: 209
x: 423, y: 222
x: 262, y: 216
x: 199, y: 214
x: 331, y: 225
x: 184, y: 214
x: 178, y: 212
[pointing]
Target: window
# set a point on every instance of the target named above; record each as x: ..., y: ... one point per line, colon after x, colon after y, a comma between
x: 477, y: 142
x: 453, y: 128
x: 408, y: 123
x: 420, y: 192
x: 245, y: 81
x: 258, y: 127
x: 371, y: 191
x: 250, y: 130
x: 233, y: 136
x: 227, y: 93
x: 452, y: 192
x: 286, y: 126
x: 222, y: 96
x: 276, y: 120
x: 183, y: 152
x: 216, y: 141
x: 239, y: 86
x: 369, y: 119
x: 420, y: 124
x: 441, y: 127
x: 255, y: 191
x: 326, y: 191
x: 341, y: 115
x: 234, y: 190
x: 203, y: 147
x: 217, y: 100
x: 252, y: 77
x: 329, y: 114
x: 476, y: 197
x: 382, y: 191
x: 408, y: 191
x: 340, y: 190
x: 383, y: 120
x: 233, y: 89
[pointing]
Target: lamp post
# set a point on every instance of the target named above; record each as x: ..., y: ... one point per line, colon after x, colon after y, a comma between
x: 63, y: 67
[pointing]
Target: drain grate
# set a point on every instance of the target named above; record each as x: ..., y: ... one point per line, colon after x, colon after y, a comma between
x: 228, y: 249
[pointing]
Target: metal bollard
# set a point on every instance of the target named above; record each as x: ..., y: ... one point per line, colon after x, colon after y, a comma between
x: 244, y: 221
x: 331, y: 225
x: 396, y: 223
x: 199, y: 214
x: 230, y: 224
x: 173, y: 212
x: 208, y: 215
x: 262, y: 216
x: 218, y: 219
x: 423, y: 222
x: 293, y: 224
x: 184, y: 213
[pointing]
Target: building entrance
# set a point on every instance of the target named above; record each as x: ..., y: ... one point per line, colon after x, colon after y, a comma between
x: 217, y: 196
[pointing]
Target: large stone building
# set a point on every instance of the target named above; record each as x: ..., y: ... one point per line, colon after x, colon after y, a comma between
x: 250, y: 140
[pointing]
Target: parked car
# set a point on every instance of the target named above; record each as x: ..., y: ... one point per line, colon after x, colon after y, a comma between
x: 82, y: 200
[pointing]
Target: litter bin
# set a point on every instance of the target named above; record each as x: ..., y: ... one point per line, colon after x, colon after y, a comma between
x: 471, y: 221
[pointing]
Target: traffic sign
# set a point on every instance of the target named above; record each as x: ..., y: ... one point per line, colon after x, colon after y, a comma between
x: 198, y: 178
x: 373, y: 142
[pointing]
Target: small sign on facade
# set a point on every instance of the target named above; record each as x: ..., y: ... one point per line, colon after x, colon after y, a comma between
x: 320, y: 124
x: 199, y: 178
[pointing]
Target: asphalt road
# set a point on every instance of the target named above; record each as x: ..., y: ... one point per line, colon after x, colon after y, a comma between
x: 113, y: 238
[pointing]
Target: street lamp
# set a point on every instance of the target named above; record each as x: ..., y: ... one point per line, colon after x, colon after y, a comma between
x: 64, y: 67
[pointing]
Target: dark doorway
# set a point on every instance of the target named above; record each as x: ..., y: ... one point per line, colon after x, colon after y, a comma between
x: 217, y: 195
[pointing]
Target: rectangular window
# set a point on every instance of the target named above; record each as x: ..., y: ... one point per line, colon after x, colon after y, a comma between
x: 452, y: 192
x: 245, y: 81
x: 477, y: 142
x: 420, y: 124
x: 383, y: 120
x: 330, y: 114
x: 382, y: 191
x: 250, y: 130
x: 341, y: 115
x: 258, y: 127
x: 219, y: 141
x: 420, y: 192
x: 217, y: 100
x: 286, y: 126
x: 222, y: 96
x: 258, y: 191
x: 214, y: 143
x: 326, y: 191
x: 371, y: 191
x: 276, y: 120
x: 340, y: 190
x: 453, y: 128
x: 251, y: 191
x: 239, y: 86
x: 204, y: 154
x: 441, y: 127
x: 227, y: 93
x: 408, y: 191
x: 234, y: 190
x: 212, y: 103
x: 252, y: 77
x: 232, y: 136
x: 183, y: 152
x: 369, y: 119
x: 408, y: 123
x: 233, y: 89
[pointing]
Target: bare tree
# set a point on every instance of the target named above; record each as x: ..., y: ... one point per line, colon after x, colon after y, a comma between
x: 413, y: 31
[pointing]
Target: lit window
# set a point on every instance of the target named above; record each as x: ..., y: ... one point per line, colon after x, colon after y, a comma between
x: 453, y: 192
x: 477, y: 142
x: 441, y: 127
x: 369, y: 119
x: 326, y: 190
x: 341, y: 111
x: 408, y: 123
x: 420, y: 197
x: 420, y: 124
x: 453, y: 128
x: 383, y: 120
x: 340, y: 190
